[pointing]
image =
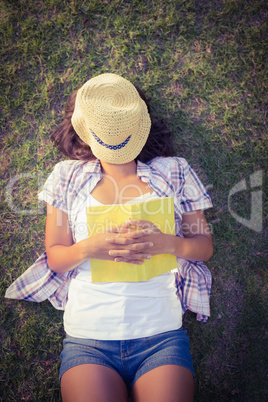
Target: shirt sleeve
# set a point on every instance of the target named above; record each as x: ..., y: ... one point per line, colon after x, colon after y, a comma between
x: 54, y: 190
x: 193, y: 193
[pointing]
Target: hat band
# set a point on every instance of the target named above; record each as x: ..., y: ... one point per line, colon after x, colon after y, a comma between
x: 114, y: 147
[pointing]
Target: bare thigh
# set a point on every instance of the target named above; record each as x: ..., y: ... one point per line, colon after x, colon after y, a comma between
x: 169, y: 383
x: 94, y: 383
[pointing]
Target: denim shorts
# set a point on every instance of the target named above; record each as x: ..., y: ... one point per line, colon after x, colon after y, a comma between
x: 130, y: 358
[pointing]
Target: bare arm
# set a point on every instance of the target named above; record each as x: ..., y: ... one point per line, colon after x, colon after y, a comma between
x: 196, y: 244
x: 62, y: 254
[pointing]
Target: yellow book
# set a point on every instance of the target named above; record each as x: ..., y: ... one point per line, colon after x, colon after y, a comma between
x: 99, y: 219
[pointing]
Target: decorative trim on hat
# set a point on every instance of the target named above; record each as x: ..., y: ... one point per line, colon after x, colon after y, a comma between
x: 114, y: 147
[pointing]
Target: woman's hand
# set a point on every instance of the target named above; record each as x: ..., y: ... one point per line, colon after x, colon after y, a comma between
x: 147, y: 240
x: 130, y: 243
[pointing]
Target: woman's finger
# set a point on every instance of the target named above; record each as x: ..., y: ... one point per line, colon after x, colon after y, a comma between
x: 129, y: 237
x: 129, y: 255
x: 123, y: 228
x: 145, y: 225
x: 130, y: 225
x: 141, y: 223
x: 136, y: 234
x: 118, y: 229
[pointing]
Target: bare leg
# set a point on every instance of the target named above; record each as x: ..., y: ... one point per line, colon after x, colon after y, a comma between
x: 93, y: 383
x: 169, y: 383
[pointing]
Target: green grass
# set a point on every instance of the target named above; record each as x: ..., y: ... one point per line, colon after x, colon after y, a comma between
x: 203, y: 64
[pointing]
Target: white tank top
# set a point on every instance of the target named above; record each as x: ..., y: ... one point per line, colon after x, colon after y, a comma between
x: 119, y: 310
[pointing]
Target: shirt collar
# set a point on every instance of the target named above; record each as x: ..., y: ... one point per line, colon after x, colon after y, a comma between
x: 143, y: 170
x: 94, y: 167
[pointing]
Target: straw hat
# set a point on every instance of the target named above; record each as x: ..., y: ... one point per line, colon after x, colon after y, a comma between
x: 111, y: 117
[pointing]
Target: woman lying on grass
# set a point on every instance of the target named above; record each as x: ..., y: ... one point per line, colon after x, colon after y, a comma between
x: 121, y: 336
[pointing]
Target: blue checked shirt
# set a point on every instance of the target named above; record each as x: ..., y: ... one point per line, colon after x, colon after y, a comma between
x: 67, y: 188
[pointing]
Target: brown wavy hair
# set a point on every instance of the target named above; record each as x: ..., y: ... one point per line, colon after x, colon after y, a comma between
x: 160, y: 141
